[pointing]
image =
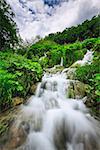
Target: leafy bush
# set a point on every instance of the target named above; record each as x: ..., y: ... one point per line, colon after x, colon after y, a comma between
x: 53, y: 51
x: 90, y: 74
x: 41, y: 47
x: 96, y: 88
x: 89, y: 43
x: 17, y: 74
x: 44, y: 61
x: 8, y: 87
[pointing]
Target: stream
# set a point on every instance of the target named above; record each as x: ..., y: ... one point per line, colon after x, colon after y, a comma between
x: 53, y: 121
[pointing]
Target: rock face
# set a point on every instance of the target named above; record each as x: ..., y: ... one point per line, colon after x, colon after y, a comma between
x: 6, y: 120
x: 17, y: 136
x: 77, y: 90
x: 17, y: 101
x: 33, y: 89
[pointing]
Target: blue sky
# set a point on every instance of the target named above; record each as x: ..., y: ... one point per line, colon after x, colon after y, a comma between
x: 41, y: 17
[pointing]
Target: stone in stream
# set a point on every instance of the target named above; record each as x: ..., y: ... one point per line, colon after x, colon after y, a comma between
x: 17, y: 101
x: 77, y: 89
x: 17, y: 136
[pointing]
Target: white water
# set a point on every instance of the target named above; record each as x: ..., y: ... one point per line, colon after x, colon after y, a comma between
x: 61, y: 63
x: 57, y: 122
x: 87, y: 59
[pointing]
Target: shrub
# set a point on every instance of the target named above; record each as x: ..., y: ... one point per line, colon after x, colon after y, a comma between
x: 17, y: 74
x: 90, y: 74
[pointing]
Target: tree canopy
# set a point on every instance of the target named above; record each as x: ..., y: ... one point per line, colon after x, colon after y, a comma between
x: 88, y: 29
x: 8, y: 30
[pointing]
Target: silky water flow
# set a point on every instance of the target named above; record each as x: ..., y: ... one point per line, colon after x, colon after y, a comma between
x: 52, y: 121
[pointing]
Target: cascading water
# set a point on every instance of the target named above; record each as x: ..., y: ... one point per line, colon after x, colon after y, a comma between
x: 61, y: 63
x: 87, y: 58
x: 52, y: 121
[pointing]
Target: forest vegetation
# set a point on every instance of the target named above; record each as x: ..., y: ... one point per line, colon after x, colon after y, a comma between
x: 23, y: 66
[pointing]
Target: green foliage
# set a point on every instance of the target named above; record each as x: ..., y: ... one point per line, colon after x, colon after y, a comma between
x: 44, y: 62
x: 49, y: 53
x: 8, y: 86
x: 55, y: 57
x: 90, y: 74
x: 17, y: 74
x: 3, y: 128
x: 41, y: 47
x: 88, y: 29
x: 8, y: 31
x: 90, y: 43
x: 96, y: 82
x: 19, y: 69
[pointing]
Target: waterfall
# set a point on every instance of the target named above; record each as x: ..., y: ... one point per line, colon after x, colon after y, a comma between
x: 87, y: 58
x: 61, y: 63
x: 52, y: 121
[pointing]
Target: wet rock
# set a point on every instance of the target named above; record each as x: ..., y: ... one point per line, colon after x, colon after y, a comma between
x: 6, y: 119
x: 77, y: 90
x: 33, y: 89
x: 25, y: 126
x: 17, y: 101
x: 55, y: 86
x: 17, y: 136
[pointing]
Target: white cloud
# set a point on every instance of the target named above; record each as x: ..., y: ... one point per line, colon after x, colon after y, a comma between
x: 33, y: 17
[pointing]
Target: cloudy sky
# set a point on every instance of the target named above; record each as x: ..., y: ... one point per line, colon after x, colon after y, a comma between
x: 41, y: 17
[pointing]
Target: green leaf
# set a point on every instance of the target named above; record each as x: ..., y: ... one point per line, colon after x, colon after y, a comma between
x: 97, y: 92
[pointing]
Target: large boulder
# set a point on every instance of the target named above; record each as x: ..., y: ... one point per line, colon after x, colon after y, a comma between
x: 77, y: 89
x: 17, y: 135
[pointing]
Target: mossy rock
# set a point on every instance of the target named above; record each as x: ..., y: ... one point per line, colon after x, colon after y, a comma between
x: 3, y: 128
x: 77, y: 90
x: 33, y: 89
x: 71, y: 93
x: 71, y: 74
x: 6, y: 119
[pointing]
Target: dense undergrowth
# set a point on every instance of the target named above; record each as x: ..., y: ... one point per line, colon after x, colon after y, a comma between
x: 90, y: 74
x: 17, y: 74
x: 49, y: 53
